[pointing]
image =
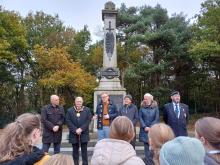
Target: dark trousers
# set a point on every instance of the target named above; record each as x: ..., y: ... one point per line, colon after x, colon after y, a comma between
x: 83, y: 153
x: 133, y: 142
x: 148, y: 155
x: 56, y: 146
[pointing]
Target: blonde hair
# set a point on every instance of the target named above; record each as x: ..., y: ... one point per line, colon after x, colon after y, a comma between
x: 159, y: 134
x: 209, y: 129
x: 149, y: 95
x: 60, y: 159
x: 122, y: 129
x: 15, y: 139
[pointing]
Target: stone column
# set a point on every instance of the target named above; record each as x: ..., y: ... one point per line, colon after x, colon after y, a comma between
x: 109, y: 17
x: 109, y: 81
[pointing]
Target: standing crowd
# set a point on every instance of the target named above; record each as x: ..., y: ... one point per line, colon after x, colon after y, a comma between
x: 164, y: 143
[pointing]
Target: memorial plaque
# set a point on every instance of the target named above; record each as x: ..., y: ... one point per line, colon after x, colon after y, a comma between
x: 110, y: 73
x: 109, y: 41
x: 116, y: 99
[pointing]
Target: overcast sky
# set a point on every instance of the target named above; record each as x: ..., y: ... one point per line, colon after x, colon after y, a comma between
x: 77, y: 13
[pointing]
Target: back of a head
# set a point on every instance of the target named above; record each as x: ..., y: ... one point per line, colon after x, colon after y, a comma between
x: 208, y: 131
x: 15, y: 139
x: 209, y: 128
x: 182, y: 151
x: 159, y: 134
x: 122, y: 129
x: 60, y: 159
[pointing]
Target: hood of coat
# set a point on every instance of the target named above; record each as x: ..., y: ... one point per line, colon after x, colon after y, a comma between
x: 112, y: 152
x: 153, y: 104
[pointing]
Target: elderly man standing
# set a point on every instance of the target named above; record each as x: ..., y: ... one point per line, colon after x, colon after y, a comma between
x: 52, y: 117
x: 106, y: 111
x: 78, y: 119
x: 176, y: 114
x: 130, y: 110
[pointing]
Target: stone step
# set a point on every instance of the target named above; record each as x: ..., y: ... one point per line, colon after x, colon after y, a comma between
x: 94, y: 135
x: 92, y: 143
x: 139, y: 150
x: 66, y: 147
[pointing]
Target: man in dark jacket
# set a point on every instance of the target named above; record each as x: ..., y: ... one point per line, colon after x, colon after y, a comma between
x: 176, y: 114
x: 78, y: 119
x: 130, y: 110
x: 106, y: 111
x: 52, y: 117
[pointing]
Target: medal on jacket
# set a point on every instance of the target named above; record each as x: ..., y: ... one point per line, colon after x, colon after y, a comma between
x: 78, y: 114
x: 78, y: 110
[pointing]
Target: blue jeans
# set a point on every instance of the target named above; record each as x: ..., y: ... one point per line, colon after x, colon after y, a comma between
x: 56, y: 147
x: 103, y: 133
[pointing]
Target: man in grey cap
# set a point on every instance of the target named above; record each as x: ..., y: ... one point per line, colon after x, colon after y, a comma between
x: 176, y: 114
x: 130, y: 110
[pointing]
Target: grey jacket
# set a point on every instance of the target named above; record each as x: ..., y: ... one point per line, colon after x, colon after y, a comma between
x: 209, y: 160
x: 148, y: 116
x: 130, y: 111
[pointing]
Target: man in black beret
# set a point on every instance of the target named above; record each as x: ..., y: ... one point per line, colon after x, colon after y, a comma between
x: 176, y: 114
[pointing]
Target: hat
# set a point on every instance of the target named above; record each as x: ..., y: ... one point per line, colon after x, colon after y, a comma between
x: 174, y: 93
x: 182, y: 150
x: 128, y: 96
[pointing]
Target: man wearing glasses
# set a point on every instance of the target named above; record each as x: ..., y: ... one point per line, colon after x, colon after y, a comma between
x: 106, y: 111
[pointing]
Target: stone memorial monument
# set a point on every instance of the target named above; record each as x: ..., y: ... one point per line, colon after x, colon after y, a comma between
x: 109, y: 74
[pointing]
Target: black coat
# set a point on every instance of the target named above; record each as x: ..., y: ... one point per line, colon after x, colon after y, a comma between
x: 74, y: 122
x: 51, y: 118
x: 27, y: 159
x: 178, y: 125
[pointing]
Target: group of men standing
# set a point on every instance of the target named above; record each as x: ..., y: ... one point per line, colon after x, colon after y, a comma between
x: 78, y: 118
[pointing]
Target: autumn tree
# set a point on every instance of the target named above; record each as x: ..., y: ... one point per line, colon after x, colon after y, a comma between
x: 63, y: 76
x: 13, y: 57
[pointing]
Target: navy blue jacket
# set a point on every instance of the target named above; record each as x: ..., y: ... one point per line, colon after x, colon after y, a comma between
x: 131, y: 112
x: 148, y: 116
x: 112, y: 111
x: 74, y: 122
x: 179, y: 125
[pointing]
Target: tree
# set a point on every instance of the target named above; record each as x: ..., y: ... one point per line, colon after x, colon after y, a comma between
x: 79, y: 49
x: 63, y: 76
x: 205, y: 51
x: 47, y: 30
x: 162, y: 43
x: 13, y: 48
